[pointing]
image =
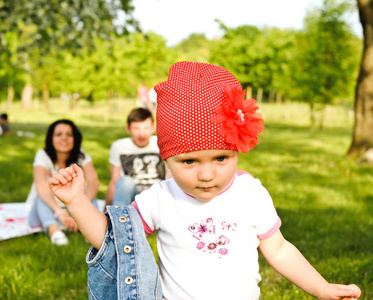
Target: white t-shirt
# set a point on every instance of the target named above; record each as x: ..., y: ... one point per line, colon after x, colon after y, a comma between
x: 42, y: 159
x: 208, y: 250
x: 143, y: 164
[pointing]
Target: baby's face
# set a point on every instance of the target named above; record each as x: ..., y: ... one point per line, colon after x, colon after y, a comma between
x: 203, y: 174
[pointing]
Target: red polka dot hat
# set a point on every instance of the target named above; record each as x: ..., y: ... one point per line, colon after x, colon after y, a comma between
x: 201, y: 106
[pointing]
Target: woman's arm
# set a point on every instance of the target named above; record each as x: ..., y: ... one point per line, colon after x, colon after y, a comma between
x: 68, y: 185
x: 287, y: 260
x: 42, y: 188
x: 92, y: 181
x: 46, y: 195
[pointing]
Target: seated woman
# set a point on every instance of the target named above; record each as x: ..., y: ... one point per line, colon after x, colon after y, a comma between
x: 62, y: 149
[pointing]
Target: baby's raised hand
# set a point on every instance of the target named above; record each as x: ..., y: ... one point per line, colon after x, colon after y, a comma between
x: 340, y: 291
x: 68, y: 184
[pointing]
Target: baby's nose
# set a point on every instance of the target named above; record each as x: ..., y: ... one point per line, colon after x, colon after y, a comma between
x: 206, y: 172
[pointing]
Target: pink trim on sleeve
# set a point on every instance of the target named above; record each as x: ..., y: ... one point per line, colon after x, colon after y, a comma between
x: 147, y: 229
x: 240, y: 172
x: 271, y: 231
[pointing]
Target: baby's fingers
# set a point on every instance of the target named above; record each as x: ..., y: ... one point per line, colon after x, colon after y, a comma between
x: 64, y: 175
x: 70, y: 172
x: 340, y: 291
x: 76, y: 168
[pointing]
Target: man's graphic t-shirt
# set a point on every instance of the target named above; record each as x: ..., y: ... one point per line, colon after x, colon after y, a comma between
x: 143, y: 164
x: 144, y: 168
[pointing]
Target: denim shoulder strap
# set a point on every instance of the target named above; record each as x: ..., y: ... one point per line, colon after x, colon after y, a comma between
x: 124, y: 267
x: 138, y: 268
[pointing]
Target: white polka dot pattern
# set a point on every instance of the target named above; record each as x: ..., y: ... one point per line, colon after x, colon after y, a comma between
x: 186, y: 102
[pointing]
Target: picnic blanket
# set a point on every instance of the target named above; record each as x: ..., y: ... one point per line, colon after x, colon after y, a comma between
x: 13, y: 220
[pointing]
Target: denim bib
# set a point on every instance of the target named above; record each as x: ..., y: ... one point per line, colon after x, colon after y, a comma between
x: 124, y: 268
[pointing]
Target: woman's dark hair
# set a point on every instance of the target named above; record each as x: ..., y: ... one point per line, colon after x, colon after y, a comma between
x: 75, y: 152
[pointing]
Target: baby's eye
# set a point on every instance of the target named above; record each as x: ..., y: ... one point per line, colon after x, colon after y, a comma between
x: 221, y: 158
x: 189, y: 161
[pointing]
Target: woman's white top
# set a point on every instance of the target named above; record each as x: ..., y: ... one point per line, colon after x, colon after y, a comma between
x: 42, y: 159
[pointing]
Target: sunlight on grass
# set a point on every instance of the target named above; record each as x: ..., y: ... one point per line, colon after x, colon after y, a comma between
x: 325, y: 201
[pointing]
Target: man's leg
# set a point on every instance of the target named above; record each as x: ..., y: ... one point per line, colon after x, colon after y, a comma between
x: 125, y: 191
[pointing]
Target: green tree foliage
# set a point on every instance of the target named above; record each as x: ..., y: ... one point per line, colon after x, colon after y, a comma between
x: 325, y: 67
x: 148, y: 58
x: 236, y: 52
x: 58, y: 49
x: 49, y: 27
x: 11, y: 71
x: 114, y: 68
x: 258, y: 57
x: 196, y: 47
x: 66, y: 24
x: 278, y: 47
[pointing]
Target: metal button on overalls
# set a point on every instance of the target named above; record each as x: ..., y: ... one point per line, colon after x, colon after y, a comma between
x: 127, y: 249
x: 123, y: 219
x: 128, y: 280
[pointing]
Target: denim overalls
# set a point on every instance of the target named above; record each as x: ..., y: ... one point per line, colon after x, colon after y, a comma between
x: 124, y: 268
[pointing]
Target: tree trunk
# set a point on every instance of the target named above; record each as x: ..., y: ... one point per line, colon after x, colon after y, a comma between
x: 72, y: 102
x: 278, y: 98
x: 363, y: 128
x: 323, y: 113
x: 9, y: 101
x: 108, y: 107
x: 259, y: 96
x: 313, y: 115
x: 46, y: 96
x: 271, y: 96
x: 249, y: 92
x: 26, y: 97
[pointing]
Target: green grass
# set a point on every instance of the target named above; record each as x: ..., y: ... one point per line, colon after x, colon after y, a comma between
x: 325, y: 200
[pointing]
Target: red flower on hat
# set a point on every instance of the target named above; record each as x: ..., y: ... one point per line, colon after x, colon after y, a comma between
x: 241, y: 123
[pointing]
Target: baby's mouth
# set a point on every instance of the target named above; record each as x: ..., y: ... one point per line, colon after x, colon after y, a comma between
x: 206, y: 188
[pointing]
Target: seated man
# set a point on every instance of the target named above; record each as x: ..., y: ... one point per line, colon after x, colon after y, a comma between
x: 135, y: 163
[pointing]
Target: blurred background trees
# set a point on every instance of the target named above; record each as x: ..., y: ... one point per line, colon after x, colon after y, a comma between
x: 95, y: 50
x: 327, y: 56
x: 34, y: 32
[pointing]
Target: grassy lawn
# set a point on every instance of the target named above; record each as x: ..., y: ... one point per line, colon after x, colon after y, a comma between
x: 325, y: 201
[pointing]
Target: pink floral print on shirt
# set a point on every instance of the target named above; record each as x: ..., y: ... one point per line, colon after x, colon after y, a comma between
x: 209, y: 240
